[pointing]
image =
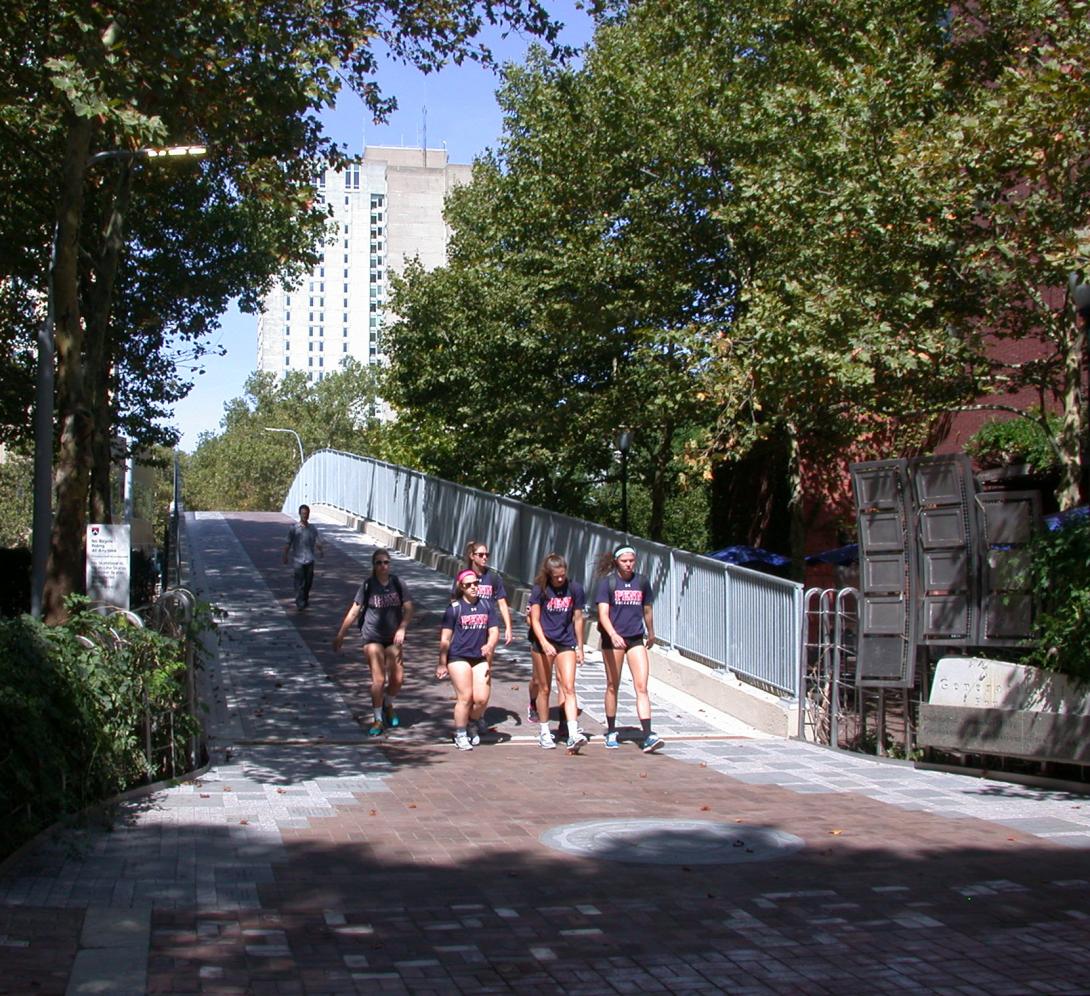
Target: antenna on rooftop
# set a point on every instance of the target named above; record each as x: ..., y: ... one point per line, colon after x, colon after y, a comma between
x: 424, y: 108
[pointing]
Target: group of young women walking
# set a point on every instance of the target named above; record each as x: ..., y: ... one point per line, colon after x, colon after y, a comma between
x: 470, y: 632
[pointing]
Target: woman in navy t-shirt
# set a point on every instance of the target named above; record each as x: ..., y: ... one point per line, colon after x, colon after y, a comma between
x: 467, y: 638
x: 491, y: 588
x: 383, y: 608
x: 556, y: 635
x: 627, y: 626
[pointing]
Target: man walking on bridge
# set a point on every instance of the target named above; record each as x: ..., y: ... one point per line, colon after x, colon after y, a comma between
x: 303, y: 543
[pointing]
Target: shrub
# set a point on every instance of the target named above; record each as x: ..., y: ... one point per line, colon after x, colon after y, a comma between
x: 1015, y: 440
x: 78, y: 706
x: 1060, y: 575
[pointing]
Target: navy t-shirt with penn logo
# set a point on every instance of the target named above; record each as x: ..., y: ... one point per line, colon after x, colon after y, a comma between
x: 558, y: 611
x: 626, y: 605
x: 470, y: 625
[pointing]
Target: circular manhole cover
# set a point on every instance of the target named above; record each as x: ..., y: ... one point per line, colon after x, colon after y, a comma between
x: 671, y: 842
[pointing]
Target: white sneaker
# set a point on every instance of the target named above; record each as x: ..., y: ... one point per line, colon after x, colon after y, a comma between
x: 546, y: 741
x: 575, y: 744
x: 474, y: 733
x: 461, y: 741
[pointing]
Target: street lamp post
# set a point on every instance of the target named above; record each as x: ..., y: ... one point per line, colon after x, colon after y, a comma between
x: 298, y: 441
x: 624, y: 441
x: 42, y: 523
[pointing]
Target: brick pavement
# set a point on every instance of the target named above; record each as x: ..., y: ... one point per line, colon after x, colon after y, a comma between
x: 310, y: 859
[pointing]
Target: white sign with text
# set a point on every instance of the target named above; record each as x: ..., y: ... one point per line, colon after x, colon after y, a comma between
x: 108, y: 564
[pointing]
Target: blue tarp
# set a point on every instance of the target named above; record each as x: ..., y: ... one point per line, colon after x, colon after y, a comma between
x: 749, y: 555
x: 841, y: 556
x: 1059, y: 519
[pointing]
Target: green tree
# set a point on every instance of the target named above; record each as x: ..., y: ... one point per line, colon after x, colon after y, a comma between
x: 16, y: 500
x: 716, y: 225
x: 247, y: 467
x: 566, y: 310
x: 1013, y: 156
x: 246, y: 78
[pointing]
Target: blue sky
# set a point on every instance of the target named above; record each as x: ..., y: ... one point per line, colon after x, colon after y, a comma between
x: 461, y: 114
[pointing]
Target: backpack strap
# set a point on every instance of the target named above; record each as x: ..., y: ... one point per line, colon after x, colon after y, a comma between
x: 366, y: 598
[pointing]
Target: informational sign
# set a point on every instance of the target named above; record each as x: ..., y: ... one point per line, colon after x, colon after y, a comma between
x: 108, y: 564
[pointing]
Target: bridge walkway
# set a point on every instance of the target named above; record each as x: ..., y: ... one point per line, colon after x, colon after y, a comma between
x: 309, y: 858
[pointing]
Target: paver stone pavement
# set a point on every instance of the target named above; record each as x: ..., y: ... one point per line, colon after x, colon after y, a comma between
x: 311, y: 858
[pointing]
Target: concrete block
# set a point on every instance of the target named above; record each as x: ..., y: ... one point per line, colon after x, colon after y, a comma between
x: 1035, y: 735
x: 519, y: 597
x: 980, y: 683
x: 725, y: 692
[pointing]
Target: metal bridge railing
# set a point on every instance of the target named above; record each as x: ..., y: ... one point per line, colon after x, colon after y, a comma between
x: 724, y: 615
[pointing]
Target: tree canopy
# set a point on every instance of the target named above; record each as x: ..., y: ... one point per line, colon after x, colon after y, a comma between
x: 743, y: 229
x: 247, y: 467
x: 86, y: 86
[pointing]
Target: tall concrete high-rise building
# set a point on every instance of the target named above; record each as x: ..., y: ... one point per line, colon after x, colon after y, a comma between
x: 387, y: 210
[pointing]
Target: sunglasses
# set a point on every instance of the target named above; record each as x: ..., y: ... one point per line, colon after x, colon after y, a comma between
x: 481, y: 553
x: 379, y: 563
x: 470, y: 584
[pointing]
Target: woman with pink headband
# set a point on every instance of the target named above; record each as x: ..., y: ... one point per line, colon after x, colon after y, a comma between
x: 627, y: 626
x: 469, y: 634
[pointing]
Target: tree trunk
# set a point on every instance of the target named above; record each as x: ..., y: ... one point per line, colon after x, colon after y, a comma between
x: 1070, y: 438
x: 795, y: 499
x: 64, y: 571
x: 660, y: 482
x: 99, y: 349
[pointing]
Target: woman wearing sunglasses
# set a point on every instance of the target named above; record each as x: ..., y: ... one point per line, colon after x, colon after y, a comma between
x: 469, y: 633
x: 491, y: 587
x: 383, y: 608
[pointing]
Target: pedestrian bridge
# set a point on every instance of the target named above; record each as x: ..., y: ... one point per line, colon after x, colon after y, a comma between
x: 722, y: 615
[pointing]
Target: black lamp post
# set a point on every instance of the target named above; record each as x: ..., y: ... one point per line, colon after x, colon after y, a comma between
x: 624, y: 441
